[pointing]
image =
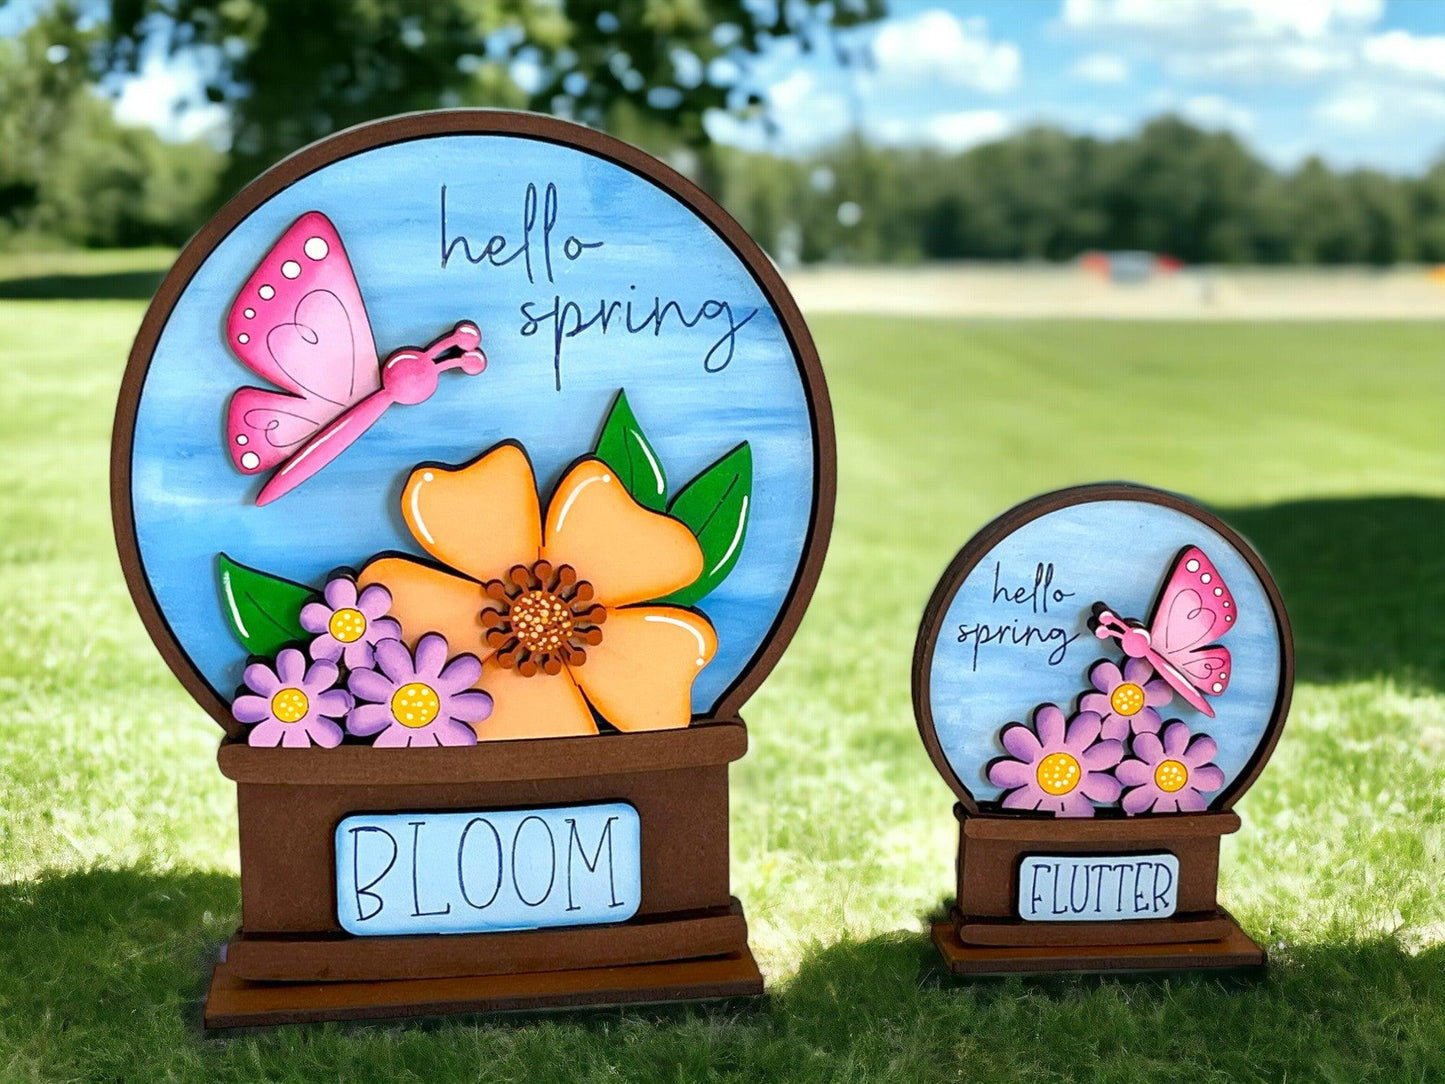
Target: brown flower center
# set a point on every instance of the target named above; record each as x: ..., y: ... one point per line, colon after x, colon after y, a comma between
x: 547, y: 618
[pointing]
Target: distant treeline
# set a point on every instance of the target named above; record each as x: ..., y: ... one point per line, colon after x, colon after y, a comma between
x: 73, y: 175
x: 1044, y: 194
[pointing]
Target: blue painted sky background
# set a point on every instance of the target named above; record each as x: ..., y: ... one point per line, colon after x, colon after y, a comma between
x: 1113, y: 551
x: 191, y: 504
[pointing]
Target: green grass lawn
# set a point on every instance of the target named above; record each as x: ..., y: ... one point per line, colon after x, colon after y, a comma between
x: 1322, y: 442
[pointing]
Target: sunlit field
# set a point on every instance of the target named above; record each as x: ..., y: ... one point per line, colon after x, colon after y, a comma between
x: 1320, y: 441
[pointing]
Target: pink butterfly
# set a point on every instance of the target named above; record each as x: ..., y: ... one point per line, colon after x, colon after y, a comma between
x: 1194, y: 608
x: 300, y: 323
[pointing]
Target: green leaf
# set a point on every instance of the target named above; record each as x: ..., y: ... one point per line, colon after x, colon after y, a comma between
x: 714, y: 505
x: 264, y: 610
x: 624, y: 448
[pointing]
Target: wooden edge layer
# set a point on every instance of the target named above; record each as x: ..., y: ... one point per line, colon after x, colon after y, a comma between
x: 342, y: 958
x: 703, y: 743
x: 233, y: 1002
x: 1155, y: 931
x: 1236, y: 951
x: 1107, y: 831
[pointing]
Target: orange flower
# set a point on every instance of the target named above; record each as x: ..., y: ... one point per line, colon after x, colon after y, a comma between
x: 552, y: 607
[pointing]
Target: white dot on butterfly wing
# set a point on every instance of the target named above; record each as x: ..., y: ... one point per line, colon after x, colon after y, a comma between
x: 249, y: 313
x: 1226, y: 605
x: 291, y: 269
x: 1217, y: 687
x: 1205, y: 578
x: 1193, y: 566
x: 267, y: 292
x: 1229, y: 617
x: 250, y: 460
x: 1218, y: 591
x: 241, y: 438
x: 316, y: 248
x: 243, y: 338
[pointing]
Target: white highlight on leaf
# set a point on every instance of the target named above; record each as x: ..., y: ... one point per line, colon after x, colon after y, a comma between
x: 231, y: 603
x: 737, y: 537
x: 651, y: 461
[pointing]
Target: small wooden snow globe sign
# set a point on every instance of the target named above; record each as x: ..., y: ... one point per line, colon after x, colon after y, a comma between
x: 1100, y: 675
x: 471, y: 469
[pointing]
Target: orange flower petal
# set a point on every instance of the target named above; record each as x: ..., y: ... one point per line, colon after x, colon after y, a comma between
x: 628, y: 553
x: 541, y: 706
x: 481, y: 518
x: 426, y: 599
x: 640, y: 676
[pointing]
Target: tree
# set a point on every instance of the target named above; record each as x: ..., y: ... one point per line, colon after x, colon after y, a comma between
x: 295, y: 70
x: 68, y: 171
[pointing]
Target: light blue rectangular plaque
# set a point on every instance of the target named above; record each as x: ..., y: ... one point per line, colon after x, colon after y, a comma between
x: 1097, y: 888
x: 520, y: 869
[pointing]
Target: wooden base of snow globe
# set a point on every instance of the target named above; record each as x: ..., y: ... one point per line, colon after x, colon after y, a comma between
x: 1096, y: 759
x: 479, y: 615
x: 293, y: 961
x: 1033, y: 896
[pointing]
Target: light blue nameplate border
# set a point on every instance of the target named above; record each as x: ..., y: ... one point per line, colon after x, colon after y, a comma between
x: 1097, y: 887
x: 483, y: 872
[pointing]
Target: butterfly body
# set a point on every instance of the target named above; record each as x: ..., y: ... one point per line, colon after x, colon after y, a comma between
x: 300, y: 323
x: 1194, y: 608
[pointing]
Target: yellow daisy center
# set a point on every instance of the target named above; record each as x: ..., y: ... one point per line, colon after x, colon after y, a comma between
x: 290, y: 705
x: 1127, y: 699
x: 415, y: 704
x: 1170, y: 776
x: 1058, y: 773
x: 347, y: 625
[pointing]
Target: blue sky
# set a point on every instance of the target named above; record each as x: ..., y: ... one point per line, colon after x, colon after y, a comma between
x: 1360, y: 82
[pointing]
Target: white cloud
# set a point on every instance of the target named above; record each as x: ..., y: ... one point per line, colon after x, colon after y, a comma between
x: 1363, y: 107
x: 1237, y: 39
x: 1216, y: 112
x: 935, y: 46
x: 1102, y: 68
x: 1184, y: 20
x: 806, y: 112
x: 1411, y: 55
x: 152, y: 97
x: 955, y: 131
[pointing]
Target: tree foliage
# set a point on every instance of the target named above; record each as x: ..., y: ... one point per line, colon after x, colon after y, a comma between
x: 296, y: 70
x: 1044, y: 194
x: 68, y: 171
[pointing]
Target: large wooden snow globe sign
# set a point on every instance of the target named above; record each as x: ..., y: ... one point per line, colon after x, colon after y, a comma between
x: 471, y: 469
x: 1100, y: 675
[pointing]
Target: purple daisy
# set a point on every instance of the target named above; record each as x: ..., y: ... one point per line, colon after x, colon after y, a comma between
x: 1172, y: 775
x: 1057, y: 769
x: 421, y: 699
x: 292, y: 705
x: 349, y: 624
x: 1126, y: 698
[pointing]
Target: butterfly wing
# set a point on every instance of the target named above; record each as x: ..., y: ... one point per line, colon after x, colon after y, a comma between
x: 300, y: 322
x: 1195, y: 608
x: 267, y: 427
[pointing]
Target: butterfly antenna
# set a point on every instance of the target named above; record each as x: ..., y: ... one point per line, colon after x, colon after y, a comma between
x: 466, y: 338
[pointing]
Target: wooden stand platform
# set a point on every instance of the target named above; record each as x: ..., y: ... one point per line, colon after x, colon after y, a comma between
x: 1236, y: 950
x: 233, y: 1002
